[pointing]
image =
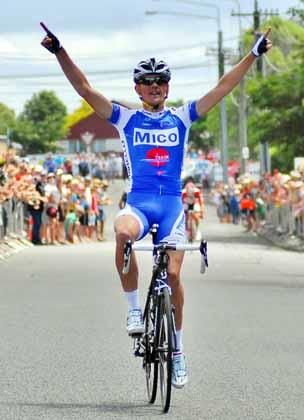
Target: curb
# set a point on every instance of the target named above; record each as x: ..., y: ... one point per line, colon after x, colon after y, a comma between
x: 12, y: 245
x: 284, y: 241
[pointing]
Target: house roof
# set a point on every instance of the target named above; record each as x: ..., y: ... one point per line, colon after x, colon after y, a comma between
x: 100, y: 128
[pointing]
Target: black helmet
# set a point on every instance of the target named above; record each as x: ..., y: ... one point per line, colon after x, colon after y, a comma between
x: 151, y: 67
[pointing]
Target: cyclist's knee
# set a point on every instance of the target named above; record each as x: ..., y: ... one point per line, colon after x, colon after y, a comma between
x: 126, y: 228
x: 124, y: 234
x: 174, y: 278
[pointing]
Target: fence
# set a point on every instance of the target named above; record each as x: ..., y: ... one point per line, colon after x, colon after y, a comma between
x: 285, y: 220
x: 11, y: 219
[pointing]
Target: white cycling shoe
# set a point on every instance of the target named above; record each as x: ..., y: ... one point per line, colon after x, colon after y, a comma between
x: 135, y: 323
x: 179, y: 371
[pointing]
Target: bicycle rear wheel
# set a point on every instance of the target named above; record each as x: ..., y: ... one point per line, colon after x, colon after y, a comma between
x: 165, y: 341
x: 150, y: 357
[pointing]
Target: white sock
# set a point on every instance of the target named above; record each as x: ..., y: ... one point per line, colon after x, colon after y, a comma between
x: 133, y: 299
x: 179, y: 343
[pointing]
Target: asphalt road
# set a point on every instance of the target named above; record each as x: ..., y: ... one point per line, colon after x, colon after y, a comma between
x: 64, y: 353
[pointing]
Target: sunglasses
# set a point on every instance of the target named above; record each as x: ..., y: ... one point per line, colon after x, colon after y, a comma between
x: 148, y: 81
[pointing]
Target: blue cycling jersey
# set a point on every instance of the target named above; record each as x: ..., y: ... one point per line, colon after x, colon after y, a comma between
x: 154, y: 146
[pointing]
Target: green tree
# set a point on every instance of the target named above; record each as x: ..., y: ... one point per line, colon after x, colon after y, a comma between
x: 199, y: 137
x: 275, y: 111
x: 206, y: 133
x: 41, y: 124
x: 278, y: 115
x: 7, y: 119
x: 175, y: 104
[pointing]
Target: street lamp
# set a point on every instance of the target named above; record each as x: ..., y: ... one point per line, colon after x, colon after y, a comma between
x: 223, y: 111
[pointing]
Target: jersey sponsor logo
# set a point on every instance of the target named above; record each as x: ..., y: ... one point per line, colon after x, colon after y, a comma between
x: 157, y: 157
x: 168, y: 137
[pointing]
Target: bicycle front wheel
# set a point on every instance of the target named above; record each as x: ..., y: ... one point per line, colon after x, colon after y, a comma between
x: 150, y: 356
x: 165, y: 341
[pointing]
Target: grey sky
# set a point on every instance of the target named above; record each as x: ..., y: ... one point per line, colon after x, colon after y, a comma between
x: 105, y: 36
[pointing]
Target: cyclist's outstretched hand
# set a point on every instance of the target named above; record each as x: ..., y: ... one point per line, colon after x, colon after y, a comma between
x: 262, y: 45
x: 50, y: 41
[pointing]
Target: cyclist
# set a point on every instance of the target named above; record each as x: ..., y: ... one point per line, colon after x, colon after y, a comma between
x: 192, y: 199
x: 153, y: 139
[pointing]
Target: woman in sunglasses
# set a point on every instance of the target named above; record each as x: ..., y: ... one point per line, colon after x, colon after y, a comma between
x: 153, y: 140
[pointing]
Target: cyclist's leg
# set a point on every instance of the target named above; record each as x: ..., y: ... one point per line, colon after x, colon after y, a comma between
x: 130, y: 224
x: 179, y: 368
x: 197, y: 220
x: 175, y: 263
x: 126, y: 228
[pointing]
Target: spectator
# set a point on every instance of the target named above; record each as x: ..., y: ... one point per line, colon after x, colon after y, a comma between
x: 223, y: 209
x: 36, y: 206
x: 248, y: 208
x: 49, y: 164
x: 234, y: 205
x: 83, y: 167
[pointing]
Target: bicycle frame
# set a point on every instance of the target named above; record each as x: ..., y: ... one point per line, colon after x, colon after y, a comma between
x: 159, y: 280
x: 158, y: 343
x: 161, y: 259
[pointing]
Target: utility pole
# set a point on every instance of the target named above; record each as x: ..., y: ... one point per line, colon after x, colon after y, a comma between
x: 264, y: 149
x: 256, y: 28
x: 224, y: 128
x: 242, y: 108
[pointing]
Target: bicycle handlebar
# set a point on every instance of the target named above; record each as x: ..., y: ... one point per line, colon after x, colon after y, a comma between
x: 168, y: 247
x: 129, y: 247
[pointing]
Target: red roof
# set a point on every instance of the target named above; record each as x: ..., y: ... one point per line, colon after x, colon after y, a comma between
x: 100, y: 128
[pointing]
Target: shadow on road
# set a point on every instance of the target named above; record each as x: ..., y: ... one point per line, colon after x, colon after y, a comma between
x: 126, y: 409
x: 243, y: 238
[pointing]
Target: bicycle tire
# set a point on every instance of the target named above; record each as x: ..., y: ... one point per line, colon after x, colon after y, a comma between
x: 165, y: 347
x: 150, y: 356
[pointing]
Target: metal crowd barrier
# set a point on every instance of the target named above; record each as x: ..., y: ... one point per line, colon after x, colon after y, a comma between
x: 11, y: 219
x: 285, y: 220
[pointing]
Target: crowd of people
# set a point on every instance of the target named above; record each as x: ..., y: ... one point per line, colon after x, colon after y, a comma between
x: 276, y: 198
x: 64, y: 200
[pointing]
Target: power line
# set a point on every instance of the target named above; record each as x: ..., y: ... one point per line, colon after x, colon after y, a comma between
x: 97, y: 72
x: 66, y: 86
x: 173, y: 48
x: 107, y: 55
x: 32, y: 83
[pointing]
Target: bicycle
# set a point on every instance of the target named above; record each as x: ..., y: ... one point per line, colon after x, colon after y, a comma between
x: 158, y: 343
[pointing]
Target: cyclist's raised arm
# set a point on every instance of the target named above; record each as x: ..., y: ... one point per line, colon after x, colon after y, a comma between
x: 232, y: 78
x: 98, y: 102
